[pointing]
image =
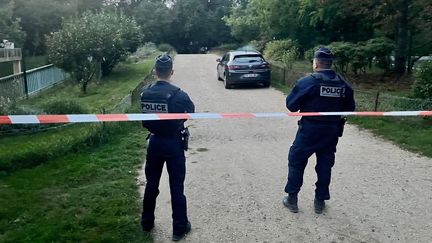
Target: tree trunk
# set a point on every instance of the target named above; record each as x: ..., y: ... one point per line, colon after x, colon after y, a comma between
x: 84, y: 86
x: 402, y: 38
x: 410, y: 58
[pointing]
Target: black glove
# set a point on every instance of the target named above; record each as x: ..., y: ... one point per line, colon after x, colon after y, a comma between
x: 342, y: 125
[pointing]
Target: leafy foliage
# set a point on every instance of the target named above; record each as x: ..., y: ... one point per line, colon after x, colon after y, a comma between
x: 423, y: 83
x: 41, y: 17
x: 153, y: 18
x: 358, y: 56
x: 93, y: 43
x: 10, y: 28
x: 343, y: 55
x: 309, y: 22
x: 164, y: 47
x: 289, y: 57
x: 380, y: 49
x: 279, y: 50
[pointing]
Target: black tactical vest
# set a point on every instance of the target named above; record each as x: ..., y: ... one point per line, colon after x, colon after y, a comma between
x: 157, y: 101
x: 327, y: 95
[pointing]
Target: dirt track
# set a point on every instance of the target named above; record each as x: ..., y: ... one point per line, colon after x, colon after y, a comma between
x: 237, y: 169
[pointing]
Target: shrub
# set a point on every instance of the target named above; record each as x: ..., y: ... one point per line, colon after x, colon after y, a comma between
x: 423, y: 81
x: 143, y: 52
x: 289, y: 57
x: 275, y: 50
x: 164, y: 47
x: 343, y: 52
x: 63, y: 107
x: 309, y: 54
x: 359, y: 59
x: 380, y: 49
x: 259, y: 45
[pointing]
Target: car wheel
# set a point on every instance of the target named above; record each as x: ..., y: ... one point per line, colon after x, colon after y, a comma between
x: 266, y: 85
x: 226, y: 84
x: 218, y: 77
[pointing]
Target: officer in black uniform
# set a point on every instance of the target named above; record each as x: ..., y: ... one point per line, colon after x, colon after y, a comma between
x: 322, y: 91
x: 167, y: 142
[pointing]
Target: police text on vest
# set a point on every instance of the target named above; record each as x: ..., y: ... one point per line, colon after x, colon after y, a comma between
x: 148, y: 107
x: 329, y: 91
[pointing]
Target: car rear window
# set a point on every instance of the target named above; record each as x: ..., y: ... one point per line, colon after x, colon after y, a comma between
x: 248, y: 58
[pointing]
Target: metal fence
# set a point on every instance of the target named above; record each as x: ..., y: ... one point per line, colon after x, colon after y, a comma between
x: 283, y: 75
x: 380, y: 101
x: 18, y: 85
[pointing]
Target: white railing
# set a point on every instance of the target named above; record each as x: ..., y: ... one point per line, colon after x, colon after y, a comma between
x: 7, y: 55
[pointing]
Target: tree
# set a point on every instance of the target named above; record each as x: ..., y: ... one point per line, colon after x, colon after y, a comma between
x: 10, y: 28
x: 41, y: 17
x: 307, y: 21
x: 154, y: 19
x: 244, y: 23
x: 92, y: 43
x: 407, y: 22
x: 197, y: 24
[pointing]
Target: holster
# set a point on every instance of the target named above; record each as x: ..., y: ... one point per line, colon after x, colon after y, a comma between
x: 342, y: 125
x: 185, y: 138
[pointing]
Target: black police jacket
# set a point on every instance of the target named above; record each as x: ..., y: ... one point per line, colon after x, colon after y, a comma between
x: 163, y: 97
x: 323, y: 91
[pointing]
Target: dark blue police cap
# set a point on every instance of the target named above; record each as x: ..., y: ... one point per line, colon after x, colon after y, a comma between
x: 324, y: 53
x: 164, y: 62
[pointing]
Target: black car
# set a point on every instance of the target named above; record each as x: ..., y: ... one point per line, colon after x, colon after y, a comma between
x: 243, y: 67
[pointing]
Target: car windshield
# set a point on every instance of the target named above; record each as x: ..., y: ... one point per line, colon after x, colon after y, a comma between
x: 248, y: 59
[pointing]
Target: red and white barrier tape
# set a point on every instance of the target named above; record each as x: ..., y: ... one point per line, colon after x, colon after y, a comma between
x: 46, y: 119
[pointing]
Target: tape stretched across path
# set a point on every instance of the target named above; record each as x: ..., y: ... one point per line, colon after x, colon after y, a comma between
x: 46, y: 119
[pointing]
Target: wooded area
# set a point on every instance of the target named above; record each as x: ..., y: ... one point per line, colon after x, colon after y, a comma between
x: 191, y: 26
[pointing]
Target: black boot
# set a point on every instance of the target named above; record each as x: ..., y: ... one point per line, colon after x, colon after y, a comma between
x: 181, y: 236
x: 290, y: 202
x: 319, y: 206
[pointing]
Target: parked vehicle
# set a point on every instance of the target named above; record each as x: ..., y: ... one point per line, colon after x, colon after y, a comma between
x: 243, y: 67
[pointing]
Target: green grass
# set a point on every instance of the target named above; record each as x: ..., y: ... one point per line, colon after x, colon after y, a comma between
x: 109, y: 92
x: 27, y: 150
x: 90, y: 196
x: 411, y: 133
x: 24, y: 151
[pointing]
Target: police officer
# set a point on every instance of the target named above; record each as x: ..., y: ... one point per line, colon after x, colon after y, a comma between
x: 166, y: 144
x: 322, y: 91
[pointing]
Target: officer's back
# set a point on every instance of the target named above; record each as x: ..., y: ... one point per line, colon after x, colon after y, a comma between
x: 164, y: 97
x: 167, y: 143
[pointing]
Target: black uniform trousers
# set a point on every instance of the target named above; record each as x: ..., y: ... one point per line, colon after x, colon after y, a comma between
x: 159, y: 151
x: 312, y: 137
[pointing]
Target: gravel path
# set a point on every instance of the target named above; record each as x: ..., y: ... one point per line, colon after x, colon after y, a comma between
x: 237, y: 169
